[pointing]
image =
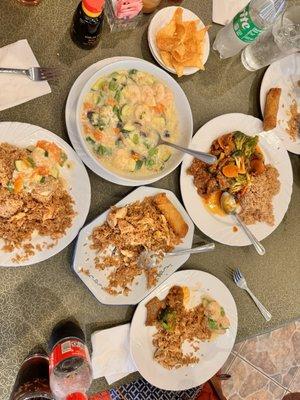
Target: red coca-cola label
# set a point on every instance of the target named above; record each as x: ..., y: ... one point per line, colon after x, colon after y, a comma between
x: 66, y: 349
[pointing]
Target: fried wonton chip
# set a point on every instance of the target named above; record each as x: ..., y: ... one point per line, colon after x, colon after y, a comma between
x: 180, y: 43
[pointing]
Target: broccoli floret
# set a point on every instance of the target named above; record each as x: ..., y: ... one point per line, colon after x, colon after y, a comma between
x: 239, y: 139
x: 249, y: 146
x: 239, y: 161
x: 167, y: 318
x: 245, y: 143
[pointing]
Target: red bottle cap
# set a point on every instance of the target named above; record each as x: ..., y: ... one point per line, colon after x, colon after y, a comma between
x: 77, y: 396
x: 93, y: 6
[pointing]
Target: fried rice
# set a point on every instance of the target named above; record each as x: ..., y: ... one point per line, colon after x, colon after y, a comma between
x: 23, y: 215
x: 130, y: 230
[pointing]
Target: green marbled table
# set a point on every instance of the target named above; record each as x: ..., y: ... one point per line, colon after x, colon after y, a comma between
x: 33, y: 299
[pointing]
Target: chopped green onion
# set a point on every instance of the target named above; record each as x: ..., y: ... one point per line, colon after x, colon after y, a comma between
x: 113, y: 85
x: 212, y: 324
x: 118, y: 95
x: 10, y: 186
x: 117, y: 111
x: 42, y: 179
x: 138, y: 164
x: 135, y: 138
x: 31, y: 161
x: 222, y: 312
x: 103, y: 151
x: 132, y: 71
x: 46, y: 153
x: 90, y: 140
x: 152, y: 152
x: 119, y: 143
x: 63, y: 158
x: 149, y: 163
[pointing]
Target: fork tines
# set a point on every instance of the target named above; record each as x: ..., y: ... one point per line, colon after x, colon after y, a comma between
x: 237, y: 275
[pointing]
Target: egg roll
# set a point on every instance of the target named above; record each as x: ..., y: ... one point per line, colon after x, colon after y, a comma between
x: 171, y: 214
x: 271, y: 109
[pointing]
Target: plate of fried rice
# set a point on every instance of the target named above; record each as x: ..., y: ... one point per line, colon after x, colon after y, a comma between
x: 182, y: 333
x: 44, y: 194
x: 109, y: 252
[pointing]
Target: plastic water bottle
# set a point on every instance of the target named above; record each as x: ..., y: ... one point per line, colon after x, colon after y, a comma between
x: 279, y: 41
x: 247, y: 25
x: 70, y: 367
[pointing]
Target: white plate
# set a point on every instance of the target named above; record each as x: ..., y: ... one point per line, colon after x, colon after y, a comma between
x: 23, y: 135
x: 70, y: 116
x: 183, y: 110
x: 84, y: 256
x: 221, y: 228
x: 160, y: 19
x: 282, y: 74
x: 212, y: 354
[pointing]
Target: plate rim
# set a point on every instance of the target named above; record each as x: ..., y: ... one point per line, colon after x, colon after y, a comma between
x: 166, y: 283
x: 84, y: 154
x: 72, y: 130
x: 288, y: 144
x: 184, y: 176
x: 148, y: 190
x: 155, y: 53
x: 63, y: 143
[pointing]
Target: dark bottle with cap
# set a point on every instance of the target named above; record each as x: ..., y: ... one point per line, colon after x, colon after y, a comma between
x: 70, y: 365
x: 32, y: 381
x: 87, y: 23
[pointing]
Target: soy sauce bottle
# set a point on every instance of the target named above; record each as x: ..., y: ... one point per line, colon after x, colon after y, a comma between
x: 87, y: 23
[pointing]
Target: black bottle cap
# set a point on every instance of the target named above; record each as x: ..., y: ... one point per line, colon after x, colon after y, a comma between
x: 65, y: 329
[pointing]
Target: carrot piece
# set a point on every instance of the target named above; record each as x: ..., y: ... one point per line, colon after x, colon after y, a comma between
x: 117, y: 131
x: 257, y: 165
x: 230, y: 171
x: 18, y: 184
x: 87, y: 106
x: 159, y: 108
x: 97, y: 135
x: 51, y: 148
x: 41, y: 170
x: 111, y: 101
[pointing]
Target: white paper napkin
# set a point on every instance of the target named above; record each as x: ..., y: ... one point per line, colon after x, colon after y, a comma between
x: 225, y: 10
x: 111, y: 355
x: 17, y: 89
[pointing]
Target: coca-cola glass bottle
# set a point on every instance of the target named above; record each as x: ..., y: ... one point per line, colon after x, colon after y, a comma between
x: 32, y: 381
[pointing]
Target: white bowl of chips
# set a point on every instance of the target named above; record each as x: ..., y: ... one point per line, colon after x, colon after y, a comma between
x: 179, y: 40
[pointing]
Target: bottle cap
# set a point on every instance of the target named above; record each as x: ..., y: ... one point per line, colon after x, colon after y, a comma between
x: 93, y: 6
x: 65, y: 329
x: 77, y: 396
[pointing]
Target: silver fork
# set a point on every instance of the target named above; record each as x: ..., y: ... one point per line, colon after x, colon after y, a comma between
x: 33, y: 73
x: 151, y: 259
x: 240, y: 281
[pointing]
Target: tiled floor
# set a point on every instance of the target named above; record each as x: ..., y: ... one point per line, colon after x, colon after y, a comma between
x: 266, y: 367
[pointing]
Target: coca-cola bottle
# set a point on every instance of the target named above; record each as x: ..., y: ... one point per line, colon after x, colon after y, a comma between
x: 32, y: 381
x: 70, y: 367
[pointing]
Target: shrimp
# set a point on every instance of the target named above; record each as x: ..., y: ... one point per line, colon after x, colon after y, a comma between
x: 213, y: 310
x: 147, y: 96
x: 168, y: 98
x: 159, y: 92
x: 132, y: 93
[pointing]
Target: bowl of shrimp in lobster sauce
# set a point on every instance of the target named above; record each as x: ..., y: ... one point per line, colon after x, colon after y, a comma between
x: 121, y: 112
